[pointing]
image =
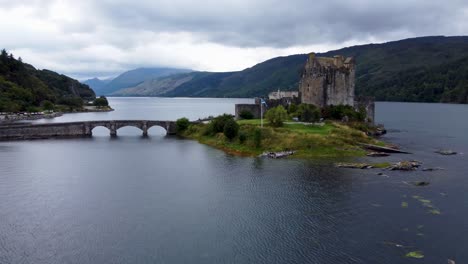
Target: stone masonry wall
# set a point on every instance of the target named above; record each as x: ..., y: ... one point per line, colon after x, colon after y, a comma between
x: 328, y: 81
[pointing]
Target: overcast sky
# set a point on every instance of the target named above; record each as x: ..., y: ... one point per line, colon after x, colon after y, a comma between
x: 87, y: 38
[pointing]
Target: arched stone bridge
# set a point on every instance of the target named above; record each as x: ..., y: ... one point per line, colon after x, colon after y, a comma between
x: 77, y: 129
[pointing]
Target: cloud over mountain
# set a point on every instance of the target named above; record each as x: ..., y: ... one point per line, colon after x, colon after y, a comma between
x: 101, y: 38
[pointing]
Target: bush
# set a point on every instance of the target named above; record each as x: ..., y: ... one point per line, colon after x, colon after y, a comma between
x: 338, y: 112
x: 33, y: 109
x: 245, y: 114
x: 217, y: 124
x: 308, y: 113
x: 47, y: 105
x: 276, y: 116
x: 182, y: 124
x: 231, y: 129
x: 292, y: 108
x: 101, y: 101
x: 258, y: 138
x: 242, y: 137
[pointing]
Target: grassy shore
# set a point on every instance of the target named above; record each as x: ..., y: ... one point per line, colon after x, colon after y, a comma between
x: 326, y: 140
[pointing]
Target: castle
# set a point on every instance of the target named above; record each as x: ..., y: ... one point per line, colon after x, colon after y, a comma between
x: 328, y: 81
x: 325, y: 81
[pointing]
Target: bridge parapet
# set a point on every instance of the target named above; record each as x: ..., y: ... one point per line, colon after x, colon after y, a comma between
x: 78, y: 129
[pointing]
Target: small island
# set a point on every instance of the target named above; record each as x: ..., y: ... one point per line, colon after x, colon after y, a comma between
x: 309, y: 138
x: 322, y: 119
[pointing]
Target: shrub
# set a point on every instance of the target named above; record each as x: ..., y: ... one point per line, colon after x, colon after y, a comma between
x: 308, y: 113
x: 231, y: 129
x: 242, y: 137
x: 339, y: 111
x: 217, y: 124
x: 292, y: 108
x: 245, y: 114
x: 33, y: 109
x: 258, y: 138
x: 47, y: 105
x: 220, y: 121
x: 276, y: 116
x: 182, y: 124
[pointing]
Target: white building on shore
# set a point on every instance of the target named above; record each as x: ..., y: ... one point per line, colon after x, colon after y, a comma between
x: 283, y: 94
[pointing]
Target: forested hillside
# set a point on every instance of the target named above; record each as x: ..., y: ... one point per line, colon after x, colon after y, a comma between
x: 427, y: 69
x: 24, y: 88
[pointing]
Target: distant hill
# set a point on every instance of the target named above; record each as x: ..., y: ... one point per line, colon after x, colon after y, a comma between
x: 135, y: 77
x: 258, y: 80
x: 23, y: 87
x: 158, y: 86
x: 97, y: 84
x: 426, y: 69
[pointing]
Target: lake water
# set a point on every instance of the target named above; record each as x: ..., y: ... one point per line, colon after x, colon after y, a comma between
x: 165, y: 200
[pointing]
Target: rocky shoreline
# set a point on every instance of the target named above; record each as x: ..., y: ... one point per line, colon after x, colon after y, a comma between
x: 15, y: 117
x: 9, y: 118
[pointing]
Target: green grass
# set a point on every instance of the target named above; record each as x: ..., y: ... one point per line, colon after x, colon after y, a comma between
x: 309, y: 141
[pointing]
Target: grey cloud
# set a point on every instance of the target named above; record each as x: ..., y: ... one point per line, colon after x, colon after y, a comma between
x: 287, y: 23
x: 107, y: 36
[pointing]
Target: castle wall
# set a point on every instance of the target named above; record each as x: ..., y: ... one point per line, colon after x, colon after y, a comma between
x: 367, y: 103
x: 328, y: 81
x: 252, y: 108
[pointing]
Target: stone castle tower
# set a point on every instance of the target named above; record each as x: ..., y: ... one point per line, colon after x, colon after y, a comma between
x: 328, y: 81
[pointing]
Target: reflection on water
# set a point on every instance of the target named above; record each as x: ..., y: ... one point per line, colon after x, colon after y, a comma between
x: 165, y: 200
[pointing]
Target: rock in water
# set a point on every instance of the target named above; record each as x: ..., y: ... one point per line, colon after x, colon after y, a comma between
x: 420, y: 183
x: 354, y: 165
x: 446, y: 152
x: 406, y: 165
x: 378, y: 154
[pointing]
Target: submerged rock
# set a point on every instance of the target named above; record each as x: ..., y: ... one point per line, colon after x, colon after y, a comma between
x: 415, y: 254
x: 446, y: 152
x: 383, y: 149
x: 432, y: 169
x: 420, y: 183
x: 277, y: 155
x: 378, y: 154
x: 354, y: 165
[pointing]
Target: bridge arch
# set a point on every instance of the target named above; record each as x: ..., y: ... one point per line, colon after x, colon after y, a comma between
x: 99, y: 130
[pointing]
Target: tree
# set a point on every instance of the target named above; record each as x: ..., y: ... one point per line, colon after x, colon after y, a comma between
x: 4, y: 54
x: 231, y: 129
x: 219, y: 122
x: 276, y: 116
x: 182, y: 124
x: 101, y: 102
x: 47, y: 105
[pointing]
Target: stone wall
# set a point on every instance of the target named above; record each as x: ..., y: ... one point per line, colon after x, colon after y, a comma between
x: 252, y: 108
x: 367, y: 103
x: 328, y: 81
x: 28, y: 131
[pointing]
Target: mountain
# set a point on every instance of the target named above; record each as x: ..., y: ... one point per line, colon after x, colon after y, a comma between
x: 134, y: 77
x: 158, y: 86
x: 97, y: 84
x: 425, y: 69
x: 281, y: 72
x: 23, y: 87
